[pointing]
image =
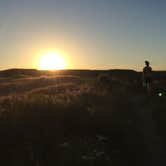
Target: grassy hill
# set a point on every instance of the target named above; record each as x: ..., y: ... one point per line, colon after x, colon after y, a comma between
x: 80, y: 117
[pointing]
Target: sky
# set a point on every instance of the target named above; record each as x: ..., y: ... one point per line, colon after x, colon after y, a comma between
x: 92, y: 34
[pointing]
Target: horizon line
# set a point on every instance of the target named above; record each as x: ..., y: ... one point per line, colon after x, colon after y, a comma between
x: 92, y: 69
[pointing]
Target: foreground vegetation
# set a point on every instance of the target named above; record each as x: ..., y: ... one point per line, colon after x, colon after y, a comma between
x: 72, y: 120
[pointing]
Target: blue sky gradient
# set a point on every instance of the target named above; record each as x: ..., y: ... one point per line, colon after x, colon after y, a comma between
x: 95, y: 34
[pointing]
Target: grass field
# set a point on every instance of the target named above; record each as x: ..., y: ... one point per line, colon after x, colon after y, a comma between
x: 80, y: 118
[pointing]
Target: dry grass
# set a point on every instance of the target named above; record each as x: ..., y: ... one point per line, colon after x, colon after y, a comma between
x: 65, y: 120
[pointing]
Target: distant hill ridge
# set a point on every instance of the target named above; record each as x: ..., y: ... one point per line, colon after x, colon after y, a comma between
x: 113, y: 72
x: 13, y: 72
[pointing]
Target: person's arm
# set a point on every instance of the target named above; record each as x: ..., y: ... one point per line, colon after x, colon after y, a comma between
x: 151, y: 71
x: 143, y: 74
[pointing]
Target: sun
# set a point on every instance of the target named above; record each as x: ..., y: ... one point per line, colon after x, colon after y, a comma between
x: 52, y: 61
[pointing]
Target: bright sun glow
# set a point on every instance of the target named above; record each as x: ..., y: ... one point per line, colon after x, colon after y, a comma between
x: 52, y: 61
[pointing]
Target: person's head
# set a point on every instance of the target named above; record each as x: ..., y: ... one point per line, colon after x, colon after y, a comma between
x: 147, y: 63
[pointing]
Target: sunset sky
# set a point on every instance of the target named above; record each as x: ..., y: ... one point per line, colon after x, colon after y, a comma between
x: 90, y: 34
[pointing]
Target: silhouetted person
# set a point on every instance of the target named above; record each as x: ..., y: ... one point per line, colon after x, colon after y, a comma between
x: 147, y: 76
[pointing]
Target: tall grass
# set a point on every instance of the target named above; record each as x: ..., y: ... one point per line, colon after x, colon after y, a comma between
x: 76, y: 123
